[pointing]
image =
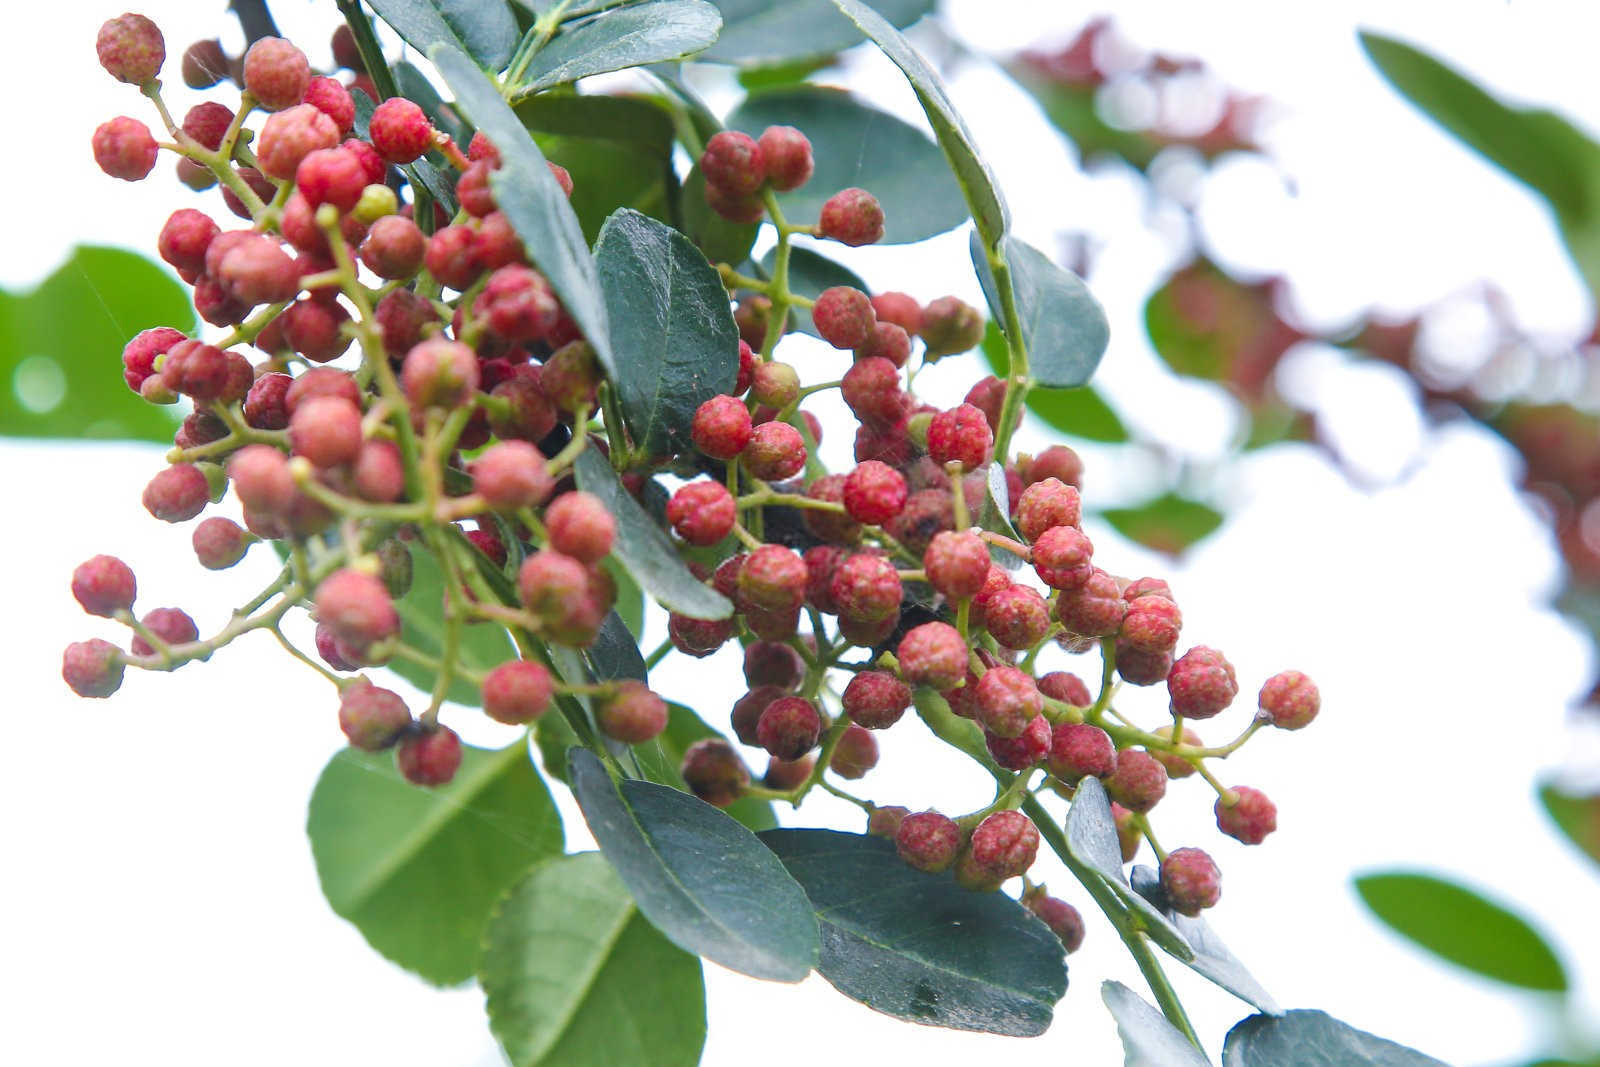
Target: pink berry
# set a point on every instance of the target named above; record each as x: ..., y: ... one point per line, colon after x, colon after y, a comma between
x: 276, y: 73
x: 93, y: 668
x: 733, y: 163
x: 1065, y: 687
x: 886, y: 341
x: 356, y: 607
x: 1191, y: 881
x: 721, y: 427
x: 178, y: 493
x: 844, y: 316
x: 372, y: 718
x: 1062, y: 557
x: 853, y: 217
x: 326, y: 430
x: 1138, y: 783
x: 928, y: 841
x: 139, y: 356
x: 220, y: 543
x: 580, y: 526
x: 440, y: 373
x: 261, y: 478
x: 429, y: 758
x: 855, y: 754
x: 400, y: 130
x: 1151, y: 625
x: 1176, y: 766
x: 866, y: 588
x: 956, y: 563
x: 204, y: 64
x: 773, y: 578
x: 104, y: 585
x: 774, y: 385
x: 933, y: 654
x: 960, y: 435
x: 874, y: 493
x: 331, y: 176
x: 1093, y: 609
x: 885, y: 821
x: 511, y: 475
x: 876, y: 699
x: 1250, y: 818
x: 702, y: 513
x: 901, y: 309
x: 786, y: 153
x: 184, y: 239
x: 714, y: 772
x: 1201, y: 683
x: 1005, y: 844
x: 1025, y: 750
x: 131, y: 49
x: 774, y: 453
x: 1045, y: 504
x: 1062, y: 918
x: 871, y: 389
x: 1007, y: 700
x: 632, y: 714
x: 950, y: 326
x: 789, y: 727
x: 123, y: 148
x: 1290, y: 700
x: 208, y: 123
x: 772, y: 663
x: 1078, y: 749
x: 173, y: 626
x: 1017, y: 617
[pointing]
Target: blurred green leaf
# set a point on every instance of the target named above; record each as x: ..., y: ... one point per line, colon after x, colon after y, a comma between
x: 61, y: 348
x: 1168, y: 523
x: 1535, y: 146
x: 483, y: 646
x: 1063, y: 326
x: 627, y: 37
x: 1079, y: 412
x: 782, y: 75
x: 1577, y: 816
x: 484, y: 29
x: 631, y: 120
x: 721, y: 241
x: 761, y: 32
x: 1460, y: 926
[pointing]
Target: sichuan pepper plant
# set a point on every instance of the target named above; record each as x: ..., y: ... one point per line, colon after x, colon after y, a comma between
x: 480, y: 404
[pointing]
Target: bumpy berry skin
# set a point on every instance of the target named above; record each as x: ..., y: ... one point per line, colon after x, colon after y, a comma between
x: 93, y: 668
x: 393, y: 247
x: 1066, y: 687
x: 1152, y: 624
x: 886, y: 341
x: 774, y: 385
x: 633, y: 714
x: 928, y: 841
x: 772, y: 663
x: 1007, y: 700
x: 517, y: 692
x: 220, y: 543
x: 1141, y: 587
x: 171, y: 625
x: 956, y: 563
x: 289, y: 137
x: 733, y: 163
x: 874, y: 493
x: 1250, y: 819
x: 1005, y: 844
x: 787, y: 774
x: 832, y: 526
x: 429, y: 758
x: 1062, y: 557
x: 184, y: 238
x: 721, y: 427
x: 702, y: 513
x: 876, y: 699
x: 789, y: 728
x: 400, y: 131
x: 1290, y: 700
x: 1057, y: 461
x: 1062, y: 918
x: 139, y: 355
x: 177, y: 494
x: 208, y: 123
x: 901, y: 309
x: 1093, y: 609
x: 356, y: 607
x: 871, y: 389
x: 1138, y: 783
x: 333, y: 100
x: 950, y: 326
x: 1047, y: 503
x: 1177, y: 766
x: 960, y: 435
x: 327, y: 431
x: 518, y: 304
x: 933, y: 654
x: 852, y: 217
x: 773, y: 578
x: 698, y: 637
x: 714, y: 772
x: 1025, y: 750
x: 580, y: 526
x: 988, y: 396
x: 259, y: 271
x: 261, y: 478
x: 453, y: 257
x: 378, y: 473
x: 866, y: 589
x: 1017, y: 617
x: 104, y: 585
x: 1138, y: 667
x: 1201, y: 683
x: 276, y: 73
x: 855, y: 754
x: 331, y: 176
x: 747, y: 711
x: 885, y: 821
x: 130, y: 48
x: 440, y: 373
x: 844, y: 317
x: 511, y: 475
x: 1190, y: 880
x: 786, y: 154
x: 372, y: 718
x: 775, y: 452
x: 741, y: 208
x: 123, y: 148
x: 1078, y: 749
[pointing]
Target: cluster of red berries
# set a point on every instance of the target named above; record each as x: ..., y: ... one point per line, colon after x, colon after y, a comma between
x: 472, y: 398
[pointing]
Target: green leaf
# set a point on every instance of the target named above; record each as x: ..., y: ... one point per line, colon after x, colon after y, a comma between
x: 1092, y: 841
x: 660, y: 759
x: 627, y: 37
x: 1079, y: 412
x: 1168, y: 523
x: 614, y: 653
x: 483, y: 645
x: 858, y: 145
x: 785, y: 74
x: 919, y: 947
x: 1457, y: 924
x: 961, y: 734
x: 629, y: 120
x: 1211, y: 957
x: 704, y: 881
x: 1148, y: 1040
x: 418, y: 870
x: 415, y: 86
x: 677, y: 345
x: 608, y: 176
x: 528, y: 195
x: 977, y: 184
x: 1577, y: 816
x: 759, y: 32
x: 485, y: 29
x: 1063, y: 326
x: 644, y: 550
x: 1537, y: 147
x: 1313, y: 1039
x: 574, y: 976
x: 722, y: 241
x: 809, y: 275
x: 61, y: 348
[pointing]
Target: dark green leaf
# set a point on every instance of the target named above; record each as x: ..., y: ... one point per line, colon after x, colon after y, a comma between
x: 61, y: 348
x: 1148, y: 1039
x: 574, y: 976
x: 554, y: 738
x: 701, y: 878
x: 484, y: 29
x: 1577, y: 816
x: 1211, y: 957
x: 858, y: 145
x: 483, y: 645
x: 614, y: 653
x: 1457, y: 924
x: 1092, y: 840
x: 1167, y: 523
x: 983, y: 196
x: 763, y: 32
x: 809, y: 275
x: 630, y: 598
x: 630, y: 120
x: 1313, y: 1039
x: 607, y: 176
x: 660, y: 759
x: 627, y: 37
x: 1537, y: 147
x: 644, y: 550
x: 677, y: 346
x: 1063, y: 326
x: 1078, y: 412
x: 418, y: 870
x: 527, y: 193
x: 919, y: 947
x: 722, y: 241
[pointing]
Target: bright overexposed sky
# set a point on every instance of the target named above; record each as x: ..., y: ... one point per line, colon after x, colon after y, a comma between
x: 160, y: 903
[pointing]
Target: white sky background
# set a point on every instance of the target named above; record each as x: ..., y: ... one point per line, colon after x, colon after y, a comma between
x: 160, y: 903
